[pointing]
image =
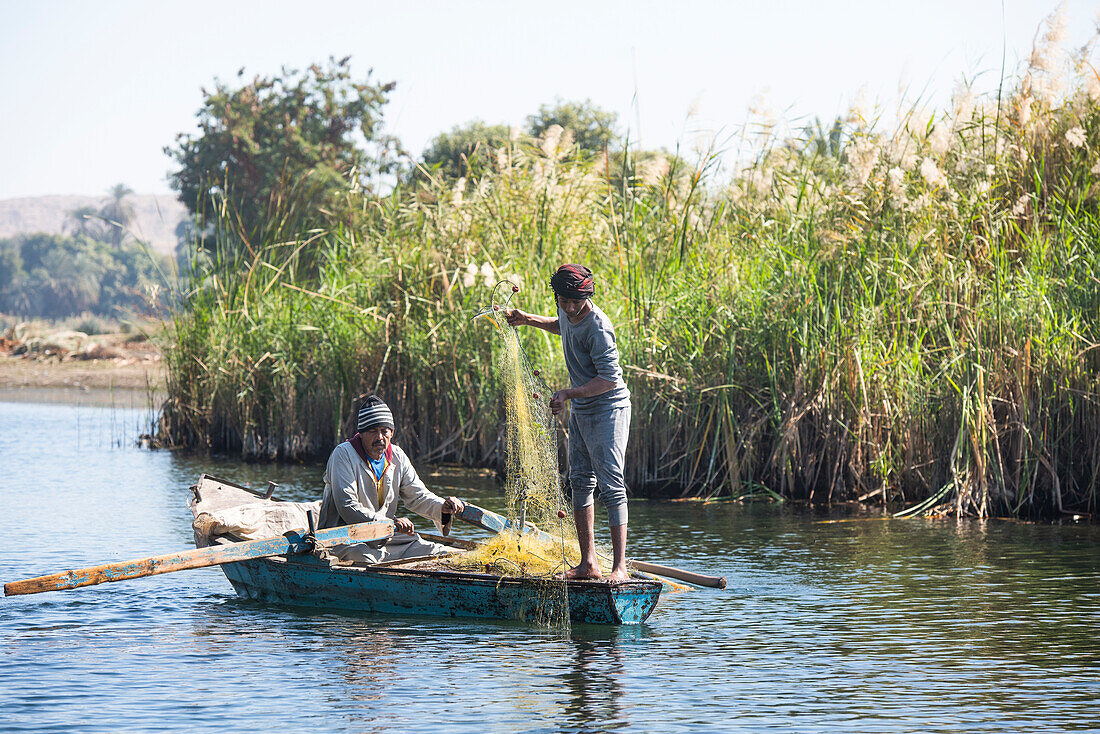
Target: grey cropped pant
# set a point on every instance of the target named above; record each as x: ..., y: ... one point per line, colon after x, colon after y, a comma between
x: 597, y: 446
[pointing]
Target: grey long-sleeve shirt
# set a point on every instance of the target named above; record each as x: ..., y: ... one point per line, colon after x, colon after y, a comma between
x: 590, y: 351
x: 351, y: 495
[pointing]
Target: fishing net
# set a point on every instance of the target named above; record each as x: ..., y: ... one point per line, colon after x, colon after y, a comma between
x: 532, y: 482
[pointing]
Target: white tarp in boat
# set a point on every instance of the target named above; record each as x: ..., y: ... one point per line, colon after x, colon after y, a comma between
x: 256, y: 520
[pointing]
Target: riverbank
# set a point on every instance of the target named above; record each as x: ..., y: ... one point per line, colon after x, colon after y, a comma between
x: 20, y: 373
x: 102, y: 369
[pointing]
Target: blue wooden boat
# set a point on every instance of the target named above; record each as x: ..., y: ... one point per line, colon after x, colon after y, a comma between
x: 402, y: 588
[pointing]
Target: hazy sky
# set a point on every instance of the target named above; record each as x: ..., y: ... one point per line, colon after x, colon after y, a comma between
x: 93, y: 91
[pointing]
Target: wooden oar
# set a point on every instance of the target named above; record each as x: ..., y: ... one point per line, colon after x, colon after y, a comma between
x: 447, y: 540
x: 295, y: 541
x: 714, y: 582
x: 491, y: 521
x: 487, y: 520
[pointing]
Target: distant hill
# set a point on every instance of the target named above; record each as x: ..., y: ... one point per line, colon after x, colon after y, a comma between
x: 155, y: 217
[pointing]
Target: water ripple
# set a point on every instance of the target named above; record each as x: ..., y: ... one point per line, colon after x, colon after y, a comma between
x: 870, y: 625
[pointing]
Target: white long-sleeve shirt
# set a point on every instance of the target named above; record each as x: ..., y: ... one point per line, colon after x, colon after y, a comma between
x: 351, y: 494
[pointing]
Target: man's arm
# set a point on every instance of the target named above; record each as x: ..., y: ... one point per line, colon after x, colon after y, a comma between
x: 515, y: 317
x: 421, y: 500
x: 592, y: 388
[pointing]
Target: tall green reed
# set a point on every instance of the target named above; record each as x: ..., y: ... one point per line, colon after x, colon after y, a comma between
x: 902, y: 314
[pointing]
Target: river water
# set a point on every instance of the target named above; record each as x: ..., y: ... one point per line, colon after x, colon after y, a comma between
x: 833, y: 623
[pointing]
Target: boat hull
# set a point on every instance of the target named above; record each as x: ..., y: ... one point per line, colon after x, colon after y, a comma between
x: 306, y: 580
x: 310, y: 582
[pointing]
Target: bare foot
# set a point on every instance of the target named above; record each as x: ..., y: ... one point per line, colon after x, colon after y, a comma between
x: 583, y: 571
x: 617, y: 575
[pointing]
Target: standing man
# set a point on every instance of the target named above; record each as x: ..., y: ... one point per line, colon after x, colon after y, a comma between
x: 599, y: 413
x: 363, y: 480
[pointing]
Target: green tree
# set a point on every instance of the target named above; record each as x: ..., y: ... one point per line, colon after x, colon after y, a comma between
x: 465, y: 150
x: 11, y: 270
x: 593, y: 128
x: 53, y: 276
x: 85, y: 221
x: 72, y: 281
x: 290, y: 142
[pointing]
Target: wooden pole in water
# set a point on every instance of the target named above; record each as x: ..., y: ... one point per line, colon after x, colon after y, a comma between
x: 291, y: 543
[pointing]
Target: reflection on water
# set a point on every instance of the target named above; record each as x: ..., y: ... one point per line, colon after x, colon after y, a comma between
x: 868, y: 624
x: 595, y: 678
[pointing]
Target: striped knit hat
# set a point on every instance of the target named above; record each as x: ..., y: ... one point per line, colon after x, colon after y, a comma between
x: 374, y: 413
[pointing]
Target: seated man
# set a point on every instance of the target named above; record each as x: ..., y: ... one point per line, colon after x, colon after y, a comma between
x: 363, y: 479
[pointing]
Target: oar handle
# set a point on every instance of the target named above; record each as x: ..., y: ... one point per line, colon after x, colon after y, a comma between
x: 290, y: 543
x: 447, y: 540
x: 714, y: 582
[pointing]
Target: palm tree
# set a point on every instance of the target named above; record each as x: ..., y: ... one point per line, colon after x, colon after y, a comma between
x: 117, y: 212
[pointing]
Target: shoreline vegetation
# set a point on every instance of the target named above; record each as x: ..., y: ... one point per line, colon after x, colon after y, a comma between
x: 901, y: 313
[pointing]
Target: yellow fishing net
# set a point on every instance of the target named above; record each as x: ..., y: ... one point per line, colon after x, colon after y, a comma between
x: 532, y: 482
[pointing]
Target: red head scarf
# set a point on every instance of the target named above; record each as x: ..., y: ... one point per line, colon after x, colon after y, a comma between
x: 573, y: 281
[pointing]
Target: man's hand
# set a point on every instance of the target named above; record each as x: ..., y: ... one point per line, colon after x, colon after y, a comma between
x: 515, y: 317
x: 596, y: 386
x: 404, y: 525
x: 557, y: 401
x: 453, y: 506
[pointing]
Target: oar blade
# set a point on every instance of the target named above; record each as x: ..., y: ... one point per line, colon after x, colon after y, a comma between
x: 494, y: 523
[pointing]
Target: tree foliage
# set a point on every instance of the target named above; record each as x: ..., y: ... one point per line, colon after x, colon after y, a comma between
x: 291, y: 142
x: 117, y: 213
x: 55, y: 276
x: 465, y: 150
x: 85, y: 221
x: 110, y: 222
x: 593, y: 128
